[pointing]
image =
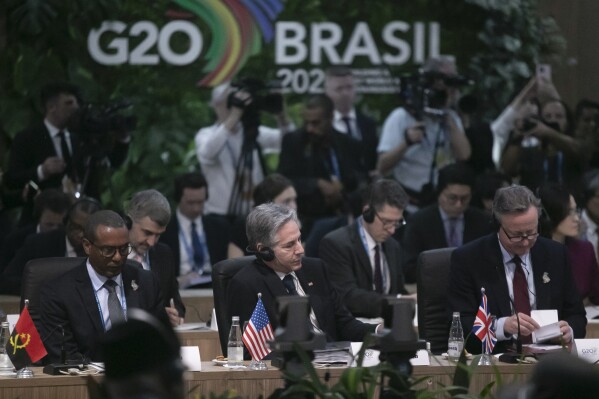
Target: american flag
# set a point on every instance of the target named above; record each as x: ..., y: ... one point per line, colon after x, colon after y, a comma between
x: 482, y: 326
x: 257, y: 332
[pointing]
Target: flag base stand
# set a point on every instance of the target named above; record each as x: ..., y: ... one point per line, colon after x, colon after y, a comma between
x: 257, y: 365
x: 485, y: 360
x: 25, y: 372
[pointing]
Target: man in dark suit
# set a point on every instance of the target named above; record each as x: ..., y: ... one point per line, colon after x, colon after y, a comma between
x: 339, y: 85
x: 197, y: 241
x: 520, y: 272
x: 320, y: 162
x: 451, y: 222
x: 66, y: 242
x: 364, y: 260
x: 280, y: 269
x: 147, y: 215
x: 49, y: 211
x: 89, y: 299
x: 50, y: 151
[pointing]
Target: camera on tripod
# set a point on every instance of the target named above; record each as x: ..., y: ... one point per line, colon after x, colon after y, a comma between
x: 102, y: 119
x: 422, y: 96
x: 263, y: 98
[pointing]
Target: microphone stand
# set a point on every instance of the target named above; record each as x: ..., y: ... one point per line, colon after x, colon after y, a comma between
x: 518, y: 355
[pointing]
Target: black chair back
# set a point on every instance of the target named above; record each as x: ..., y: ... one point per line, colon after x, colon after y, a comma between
x: 222, y: 273
x: 37, y: 272
x: 433, y: 317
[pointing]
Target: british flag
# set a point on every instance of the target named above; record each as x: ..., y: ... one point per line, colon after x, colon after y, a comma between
x: 257, y: 332
x: 482, y: 326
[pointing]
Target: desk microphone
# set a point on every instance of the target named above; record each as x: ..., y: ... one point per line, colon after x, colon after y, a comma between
x: 513, y: 357
x: 63, y: 366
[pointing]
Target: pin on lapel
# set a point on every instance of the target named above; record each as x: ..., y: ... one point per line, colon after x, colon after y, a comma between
x: 134, y: 285
x: 546, y: 278
x: 310, y: 284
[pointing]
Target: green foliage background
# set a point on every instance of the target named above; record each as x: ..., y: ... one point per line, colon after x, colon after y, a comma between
x: 496, y: 42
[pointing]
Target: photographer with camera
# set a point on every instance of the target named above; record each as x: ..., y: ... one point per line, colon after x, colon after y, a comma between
x: 425, y: 134
x: 55, y: 153
x: 231, y: 151
x: 541, y: 147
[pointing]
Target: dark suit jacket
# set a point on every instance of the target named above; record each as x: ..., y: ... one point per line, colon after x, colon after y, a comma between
x: 42, y: 245
x: 349, y: 268
x: 33, y: 145
x: 480, y: 264
x: 305, y: 162
x: 333, y: 317
x: 13, y: 242
x: 425, y: 230
x: 162, y: 264
x: 69, y: 301
x: 370, y: 140
x: 217, y: 239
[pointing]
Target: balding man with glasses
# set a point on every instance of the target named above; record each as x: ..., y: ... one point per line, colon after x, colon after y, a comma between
x: 364, y: 260
x: 80, y: 305
x: 520, y: 272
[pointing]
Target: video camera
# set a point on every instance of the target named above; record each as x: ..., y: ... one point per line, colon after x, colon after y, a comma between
x: 421, y: 97
x: 101, y: 119
x: 263, y: 99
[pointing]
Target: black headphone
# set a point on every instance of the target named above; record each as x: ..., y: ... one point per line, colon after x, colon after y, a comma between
x: 369, y: 214
x: 266, y: 254
x: 128, y: 221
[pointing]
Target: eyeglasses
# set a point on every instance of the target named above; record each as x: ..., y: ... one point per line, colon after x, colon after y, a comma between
x: 520, y: 238
x: 109, y: 252
x: 391, y: 223
x: 453, y: 198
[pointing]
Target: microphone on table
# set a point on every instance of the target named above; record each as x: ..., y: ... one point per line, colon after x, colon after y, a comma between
x: 63, y: 366
x: 514, y: 357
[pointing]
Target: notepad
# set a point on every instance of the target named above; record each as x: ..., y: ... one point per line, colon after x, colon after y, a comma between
x: 549, y: 322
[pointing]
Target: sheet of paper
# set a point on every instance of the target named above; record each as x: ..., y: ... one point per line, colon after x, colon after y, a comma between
x: 549, y: 322
x: 190, y: 356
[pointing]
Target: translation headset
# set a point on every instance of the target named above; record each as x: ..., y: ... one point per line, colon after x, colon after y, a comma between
x: 128, y: 221
x: 369, y: 214
x: 265, y: 254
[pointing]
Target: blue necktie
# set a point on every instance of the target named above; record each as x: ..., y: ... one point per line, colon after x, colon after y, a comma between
x: 289, y: 284
x: 198, y: 250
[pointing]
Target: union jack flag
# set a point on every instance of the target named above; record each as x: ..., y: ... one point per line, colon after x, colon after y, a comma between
x: 257, y: 332
x: 482, y: 326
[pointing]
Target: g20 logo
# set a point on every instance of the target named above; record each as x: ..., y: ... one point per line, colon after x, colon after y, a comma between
x: 143, y: 53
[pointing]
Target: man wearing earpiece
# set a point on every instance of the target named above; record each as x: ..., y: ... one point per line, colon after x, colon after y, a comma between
x: 147, y: 215
x: 520, y: 272
x: 281, y: 269
x: 363, y: 259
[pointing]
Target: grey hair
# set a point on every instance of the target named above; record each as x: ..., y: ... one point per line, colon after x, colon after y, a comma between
x: 149, y: 203
x: 106, y: 218
x: 435, y: 64
x: 514, y: 200
x: 264, y: 221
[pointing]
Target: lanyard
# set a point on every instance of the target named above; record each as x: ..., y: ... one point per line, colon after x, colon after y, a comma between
x: 335, y: 163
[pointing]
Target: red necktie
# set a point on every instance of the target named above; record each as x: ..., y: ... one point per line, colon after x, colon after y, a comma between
x: 520, y: 287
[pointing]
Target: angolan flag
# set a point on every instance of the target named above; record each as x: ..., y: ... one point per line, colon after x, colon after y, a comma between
x: 25, y: 345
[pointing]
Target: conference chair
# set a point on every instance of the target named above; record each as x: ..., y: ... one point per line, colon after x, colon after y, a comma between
x: 36, y: 273
x: 433, y: 316
x: 222, y: 273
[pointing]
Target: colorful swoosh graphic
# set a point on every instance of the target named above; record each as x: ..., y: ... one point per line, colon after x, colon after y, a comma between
x: 238, y: 27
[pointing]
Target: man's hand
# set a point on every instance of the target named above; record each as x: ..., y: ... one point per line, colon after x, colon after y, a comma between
x: 53, y: 166
x: 173, y: 314
x: 566, y: 331
x: 527, y: 325
x: 331, y: 190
